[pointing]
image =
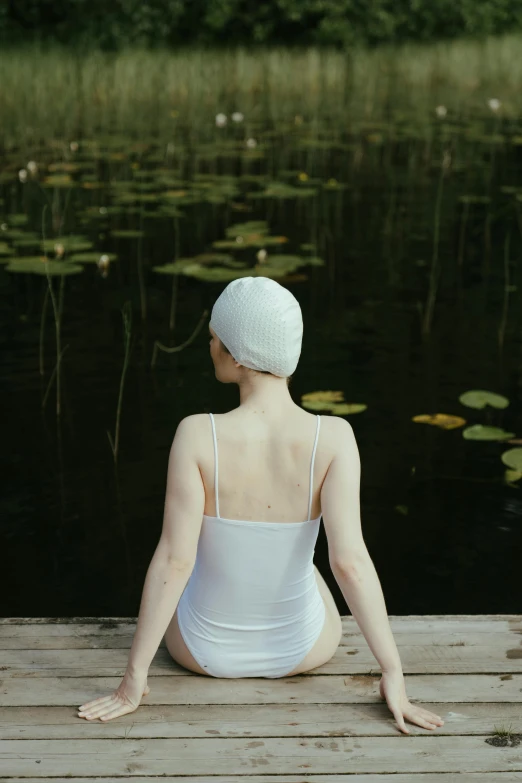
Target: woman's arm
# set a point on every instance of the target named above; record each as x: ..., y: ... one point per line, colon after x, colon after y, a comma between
x: 175, y: 555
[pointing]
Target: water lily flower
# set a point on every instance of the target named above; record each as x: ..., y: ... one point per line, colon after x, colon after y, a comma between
x: 103, y: 262
x: 22, y: 175
x: 239, y: 239
x: 261, y: 256
x: 74, y: 146
x: 32, y: 167
x: 59, y: 250
x: 494, y: 104
x: 303, y: 176
x: 103, y: 210
x: 251, y: 143
x: 237, y: 116
x: 441, y: 111
x: 221, y: 120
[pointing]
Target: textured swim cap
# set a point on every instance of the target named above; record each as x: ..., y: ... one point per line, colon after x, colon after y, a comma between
x: 261, y: 324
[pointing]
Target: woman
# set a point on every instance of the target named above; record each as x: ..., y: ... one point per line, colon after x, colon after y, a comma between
x: 249, y: 600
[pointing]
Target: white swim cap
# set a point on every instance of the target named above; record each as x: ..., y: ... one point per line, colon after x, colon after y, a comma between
x: 261, y: 324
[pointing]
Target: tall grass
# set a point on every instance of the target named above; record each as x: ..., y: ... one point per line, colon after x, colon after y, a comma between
x: 56, y: 92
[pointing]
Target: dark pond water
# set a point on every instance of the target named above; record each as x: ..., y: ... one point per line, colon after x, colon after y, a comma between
x: 391, y: 213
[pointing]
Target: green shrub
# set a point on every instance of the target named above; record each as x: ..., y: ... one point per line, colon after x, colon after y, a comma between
x: 119, y: 23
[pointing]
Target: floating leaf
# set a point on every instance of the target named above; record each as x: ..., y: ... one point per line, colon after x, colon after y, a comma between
x: 71, y: 244
x: 512, y: 458
x: 479, y: 398
x: 5, y: 250
x: 282, y: 190
x: 58, y: 181
x: 483, y: 432
x: 19, y: 219
x: 91, y: 258
x: 36, y: 265
x: 258, y: 227
x: 475, y: 199
x: 214, y: 274
x: 510, y: 476
x: 443, y: 420
x: 323, y: 396
x: 33, y: 241
x: 128, y: 233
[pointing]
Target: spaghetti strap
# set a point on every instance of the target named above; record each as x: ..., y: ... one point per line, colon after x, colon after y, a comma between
x: 312, y: 467
x: 215, y: 464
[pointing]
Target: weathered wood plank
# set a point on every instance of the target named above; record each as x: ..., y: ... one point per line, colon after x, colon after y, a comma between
x: 267, y: 720
x: 417, y: 659
x: 236, y: 756
x: 84, y: 637
x: 301, y: 689
x: 470, y: 777
x: 462, y: 624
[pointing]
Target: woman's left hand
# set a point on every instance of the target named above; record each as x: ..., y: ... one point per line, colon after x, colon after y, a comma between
x: 125, y: 699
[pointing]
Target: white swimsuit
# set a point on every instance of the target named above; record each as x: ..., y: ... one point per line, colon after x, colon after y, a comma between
x: 251, y: 607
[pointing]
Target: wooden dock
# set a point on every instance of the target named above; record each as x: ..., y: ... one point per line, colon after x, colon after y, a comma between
x: 325, y: 727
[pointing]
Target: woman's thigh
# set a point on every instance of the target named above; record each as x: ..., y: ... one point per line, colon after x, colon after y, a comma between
x: 178, y: 649
x: 330, y: 636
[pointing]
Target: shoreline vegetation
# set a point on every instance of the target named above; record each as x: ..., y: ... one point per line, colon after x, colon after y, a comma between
x: 50, y: 91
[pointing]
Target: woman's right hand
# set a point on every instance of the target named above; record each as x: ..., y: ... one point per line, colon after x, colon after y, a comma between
x: 392, y: 689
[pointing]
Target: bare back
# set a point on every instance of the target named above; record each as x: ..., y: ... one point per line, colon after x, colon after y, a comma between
x: 264, y: 464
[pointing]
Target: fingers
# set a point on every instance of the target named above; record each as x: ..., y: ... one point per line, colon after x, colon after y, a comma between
x: 423, y: 718
x: 111, y: 709
x: 93, y: 703
x: 116, y: 712
x: 400, y: 721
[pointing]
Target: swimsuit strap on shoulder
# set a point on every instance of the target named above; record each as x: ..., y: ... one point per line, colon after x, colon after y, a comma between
x: 312, y: 466
x: 215, y: 463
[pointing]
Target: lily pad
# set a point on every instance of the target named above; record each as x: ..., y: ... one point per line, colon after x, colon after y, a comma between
x: 19, y: 219
x: 483, y: 432
x: 323, y: 396
x: 92, y: 257
x: 443, y: 420
x: 513, y: 459
x: 71, y: 244
x: 58, y: 181
x: 474, y: 199
x: 479, y: 398
x: 37, y: 266
x: 127, y: 233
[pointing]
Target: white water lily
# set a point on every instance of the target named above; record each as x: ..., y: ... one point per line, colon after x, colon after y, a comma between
x: 238, y: 117
x: 4, y: 227
x: 22, y: 175
x: 251, y: 143
x: 103, y: 262
x: 103, y: 210
x: 261, y: 255
x: 221, y: 120
x: 32, y: 167
x: 73, y: 146
x: 441, y: 111
x: 494, y: 104
x: 59, y: 250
